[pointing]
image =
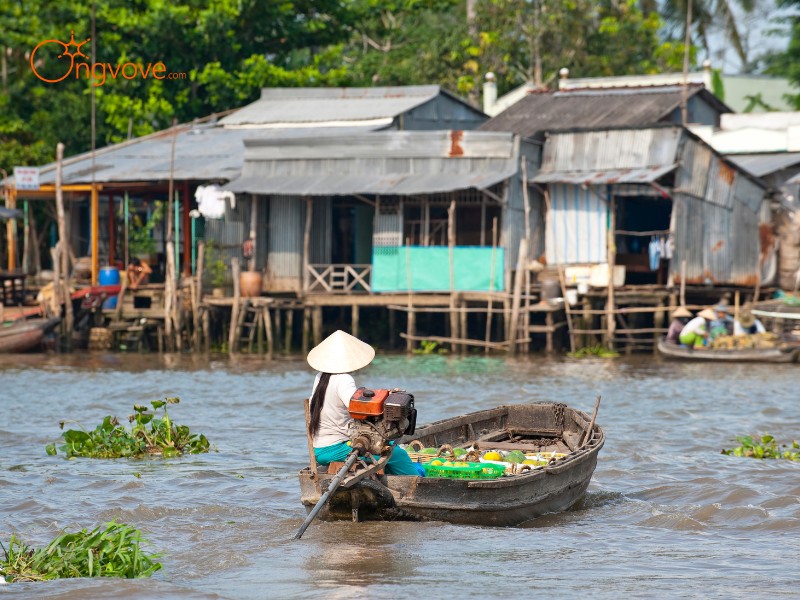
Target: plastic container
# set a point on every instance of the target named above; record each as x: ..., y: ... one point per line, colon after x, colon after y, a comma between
x: 109, y: 276
x: 551, y: 289
x: 470, y: 471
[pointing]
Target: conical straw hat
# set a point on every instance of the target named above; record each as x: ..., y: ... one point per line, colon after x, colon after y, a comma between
x: 707, y: 314
x: 340, y: 352
x: 681, y: 312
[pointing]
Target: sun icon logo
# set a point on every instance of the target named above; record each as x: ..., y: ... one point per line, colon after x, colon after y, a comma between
x: 66, y: 51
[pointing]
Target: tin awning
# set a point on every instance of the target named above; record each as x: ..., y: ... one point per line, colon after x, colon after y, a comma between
x: 344, y: 185
x: 605, y: 176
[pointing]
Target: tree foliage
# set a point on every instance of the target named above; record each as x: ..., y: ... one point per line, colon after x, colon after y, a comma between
x: 230, y: 49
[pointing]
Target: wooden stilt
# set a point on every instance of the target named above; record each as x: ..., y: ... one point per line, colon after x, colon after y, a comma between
x: 317, y: 325
x: 392, y: 328
x: 233, y: 333
x: 207, y: 330
x: 463, y: 326
x: 270, y: 337
x: 306, y: 329
x: 354, y: 319
x: 411, y: 330
x: 515, y: 305
x: 287, y: 334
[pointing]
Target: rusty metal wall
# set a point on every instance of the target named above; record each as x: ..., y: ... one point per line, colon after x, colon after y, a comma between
x: 715, y: 220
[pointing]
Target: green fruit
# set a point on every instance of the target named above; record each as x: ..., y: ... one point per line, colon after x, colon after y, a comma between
x: 429, y: 451
x: 459, y: 451
x: 515, y: 456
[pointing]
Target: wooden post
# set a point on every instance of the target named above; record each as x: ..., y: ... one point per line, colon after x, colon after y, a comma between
x: 63, y: 245
x: 462, y: 326
x: 515, y: 303
x: 170, y: 287
x: 683, y: 283
x: 307, y: 243
x: 412, y: 329
x: 126, y: 216
x: 287, y: 339
x: 95, y: 216
x: 491, y: 286
x: 26, y: 238
x: 612, y: 259
x: 112, y: 231
x: 354, y: 315
x: 207, y: 330
x: 392, y: 327
x: 317, y: 325
x: 268, y: 328
x: 198, y: 290
x: 306, y: 329
x: 451, y: 243
x: 11, y: 230
x: 187, y: 226
x: 233, y: 334
x: 658, y: 323
x: 251, y: 264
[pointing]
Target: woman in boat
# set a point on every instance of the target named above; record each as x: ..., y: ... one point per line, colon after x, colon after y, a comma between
x: 336, y: 357
x: 695, y: 333
x: 747, y: 324
x: 680, y: 317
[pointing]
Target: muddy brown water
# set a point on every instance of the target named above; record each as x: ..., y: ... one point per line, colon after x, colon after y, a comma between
x: 666, y: 514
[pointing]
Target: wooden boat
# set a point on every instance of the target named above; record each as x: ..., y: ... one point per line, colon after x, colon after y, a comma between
x: 508, y: 500
x: 775, y: 355
x: 25, y: 335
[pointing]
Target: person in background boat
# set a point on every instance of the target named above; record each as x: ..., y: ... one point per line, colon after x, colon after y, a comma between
x: 747, y: 324
x: 138, y: 273
x: 695, y: 333
x: 723, y: 323
x: 336, y: 357
x: 680, y: 317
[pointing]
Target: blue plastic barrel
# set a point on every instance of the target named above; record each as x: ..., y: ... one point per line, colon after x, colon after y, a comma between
x: 110, y: 302
x: 109, y: 276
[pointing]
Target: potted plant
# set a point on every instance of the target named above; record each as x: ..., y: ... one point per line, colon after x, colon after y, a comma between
x: 140, y: 237
x: 217, y: 269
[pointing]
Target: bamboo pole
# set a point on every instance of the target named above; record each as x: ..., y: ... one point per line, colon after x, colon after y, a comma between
x: 451, y: 243
x: 170, y: 291
x: 233, y: 334
x: 515, y: 303
x: 63, y: 252
x: 683, y: 283
x: 491, y: 283
x: 307, y: 242
x: 611, y: 324
x: 95, y: 228
x: 411, y: 317
x: 251, y: 264
x: 198, y: 290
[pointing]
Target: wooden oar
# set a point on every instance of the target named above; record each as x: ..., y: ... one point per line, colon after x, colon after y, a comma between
x: 324, y: 498
x: 588, y: 435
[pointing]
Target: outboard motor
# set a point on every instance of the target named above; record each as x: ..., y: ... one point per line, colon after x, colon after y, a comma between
x: 380, y: 416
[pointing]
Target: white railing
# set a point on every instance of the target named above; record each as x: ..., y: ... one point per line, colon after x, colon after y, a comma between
x: 341, y: 279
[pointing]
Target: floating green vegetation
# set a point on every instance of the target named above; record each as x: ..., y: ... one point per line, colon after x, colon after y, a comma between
x: 430, y: 347
x: 150, y: 434
x: 109, y: 551
x: 593, y: 351
x: 764, y: 446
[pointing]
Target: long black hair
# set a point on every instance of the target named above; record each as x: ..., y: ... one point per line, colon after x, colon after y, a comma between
x: 317, y: 400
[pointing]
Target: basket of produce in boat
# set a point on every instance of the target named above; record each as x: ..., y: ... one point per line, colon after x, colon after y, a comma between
x: 463, y: 470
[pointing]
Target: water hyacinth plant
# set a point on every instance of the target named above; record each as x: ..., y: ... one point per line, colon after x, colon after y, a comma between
x: 109, y: 551
x: 764, y: 446
x: 151, y: 433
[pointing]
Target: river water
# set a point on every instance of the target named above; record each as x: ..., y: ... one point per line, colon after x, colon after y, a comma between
x: 666, y: 514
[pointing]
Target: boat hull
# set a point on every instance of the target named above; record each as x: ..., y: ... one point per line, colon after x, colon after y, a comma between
x: 25, y: 336
x: 772, y: 355
x: 506, y: 501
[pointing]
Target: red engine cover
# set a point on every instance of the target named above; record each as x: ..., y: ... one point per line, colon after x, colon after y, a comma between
x: 362, y: 406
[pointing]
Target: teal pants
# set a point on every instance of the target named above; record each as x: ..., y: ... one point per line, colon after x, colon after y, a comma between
x: 399, y: 462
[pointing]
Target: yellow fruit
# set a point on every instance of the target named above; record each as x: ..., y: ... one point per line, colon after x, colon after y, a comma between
x: 436, y: 463
x: 493, y: 455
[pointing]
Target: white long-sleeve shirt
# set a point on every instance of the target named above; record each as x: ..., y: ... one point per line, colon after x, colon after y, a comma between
x: 335, y: 419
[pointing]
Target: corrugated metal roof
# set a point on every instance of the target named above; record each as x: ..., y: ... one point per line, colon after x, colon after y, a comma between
x: 319, y: 105
x: 384, y: 162
x: 347, y: 185
x: 611, y: 150
x: 202, y: 153
x: 795, y: 179
x: 643, y: 175
x: 614, y: 107
x: 765, y: 164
